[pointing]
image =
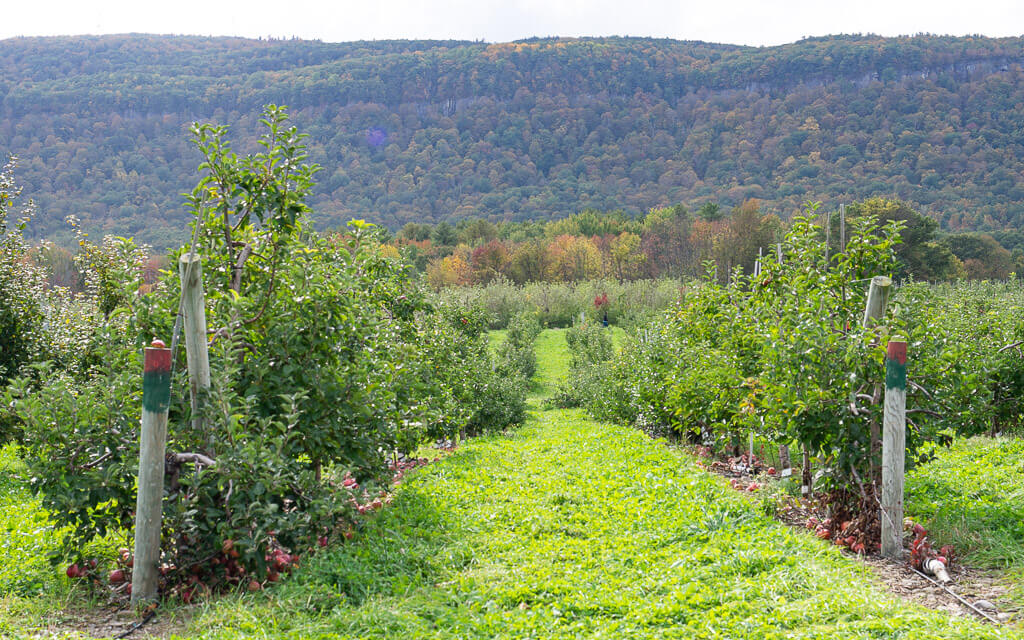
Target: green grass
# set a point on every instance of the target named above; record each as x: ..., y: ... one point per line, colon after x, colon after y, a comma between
x: 553, y: 360
x: 32, y: 591
x: 972, y: 495
x: 568, y: 528
x: 552, y: 363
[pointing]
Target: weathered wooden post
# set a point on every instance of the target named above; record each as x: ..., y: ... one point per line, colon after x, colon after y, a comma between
x: 190, y: 268
x: 156, y: 397
x: 878, y: 298
x: 874, y: 311
x: 806, y: 480
x: 842, y: 228
x: 828, y: 235
x: 894, y: 434
x: 785, y: 466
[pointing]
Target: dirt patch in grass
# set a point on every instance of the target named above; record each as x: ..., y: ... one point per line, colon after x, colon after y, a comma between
x: 973, y: 585
x: 115, y: 623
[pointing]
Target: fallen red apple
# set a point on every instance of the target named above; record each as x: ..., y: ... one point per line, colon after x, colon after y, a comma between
x: 116, y: 576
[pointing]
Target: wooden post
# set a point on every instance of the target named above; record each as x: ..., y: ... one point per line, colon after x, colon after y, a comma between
x: 894, y: 447
x: 156, y: 397
x: 842, y: 228
x: 878, y: 298
x: 784, y: 463
x: 806, y: 480
x: 874, y: 311
x: 193, y: 306
x: 828, y: 235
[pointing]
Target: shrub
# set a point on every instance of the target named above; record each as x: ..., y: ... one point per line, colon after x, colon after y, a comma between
x: 22, y: 297
x: 559, y: 304
x: 516, y: 354
x: 326, y: 357
x: 590, y: 352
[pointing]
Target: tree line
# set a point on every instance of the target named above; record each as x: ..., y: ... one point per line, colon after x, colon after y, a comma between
x: 677, y: 243
x: 414, y: 131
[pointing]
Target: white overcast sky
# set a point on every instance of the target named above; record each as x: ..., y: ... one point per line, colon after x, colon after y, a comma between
x: 753, y: 22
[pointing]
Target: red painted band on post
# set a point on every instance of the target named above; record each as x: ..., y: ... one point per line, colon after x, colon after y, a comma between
x: 897, y: 351
x: 157, y: 360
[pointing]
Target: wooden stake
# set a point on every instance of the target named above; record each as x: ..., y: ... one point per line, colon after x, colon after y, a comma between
x: 197, y: 353
x: 828, y: 235
x: 842, y: 228
x: 874, y: 311
x: 894, y: 447
x: 156, y: 397
x: 878, y: 298
x: 806, y: 481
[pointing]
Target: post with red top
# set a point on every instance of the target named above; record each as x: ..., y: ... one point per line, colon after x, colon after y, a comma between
x: 894, y: 444
x: 156, y: 397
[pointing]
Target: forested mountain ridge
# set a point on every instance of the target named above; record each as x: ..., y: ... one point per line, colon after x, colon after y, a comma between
x: 429, y: 130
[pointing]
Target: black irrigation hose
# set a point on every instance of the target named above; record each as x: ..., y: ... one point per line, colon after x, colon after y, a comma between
x: 150, y: 615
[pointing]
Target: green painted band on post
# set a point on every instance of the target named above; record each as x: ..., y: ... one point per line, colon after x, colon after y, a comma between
x: 156, y: 380
x: 896, y: 365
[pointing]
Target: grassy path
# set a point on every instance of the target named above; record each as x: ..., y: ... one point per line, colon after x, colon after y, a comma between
x: 572, y: 529
x: 565, y: 528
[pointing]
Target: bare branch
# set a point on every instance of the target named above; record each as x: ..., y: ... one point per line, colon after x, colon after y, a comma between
x: 1011, y: 346
x: 918, y: 387
x: 98, y: 461
x: 236, y: 269
x: 195, y: 458
x: 927, y: 412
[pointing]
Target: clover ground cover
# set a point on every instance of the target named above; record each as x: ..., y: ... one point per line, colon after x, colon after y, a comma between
x: 570, y: 528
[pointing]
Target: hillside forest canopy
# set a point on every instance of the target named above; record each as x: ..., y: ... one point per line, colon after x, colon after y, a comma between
x: 432, y: 131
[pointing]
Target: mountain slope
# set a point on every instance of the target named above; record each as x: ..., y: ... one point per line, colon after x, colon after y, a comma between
x: 427, y: 130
